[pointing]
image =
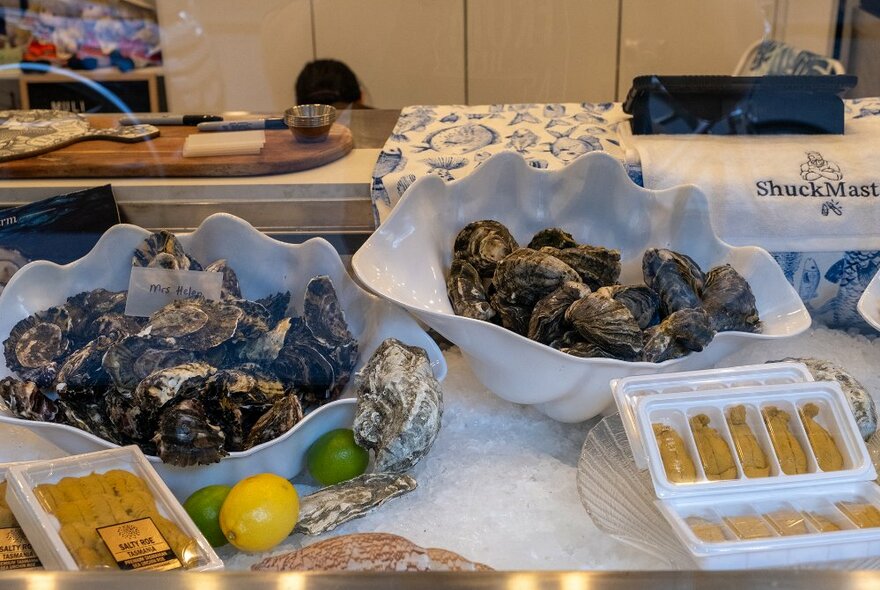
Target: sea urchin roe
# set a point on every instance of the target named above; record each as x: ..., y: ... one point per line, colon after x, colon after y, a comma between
x: 706, y: 530
x: 827, y: 454
x: 110, y: 520
x: 748, y: 527
x: 863, y: 515
x: 6, y: 518
x: 792, y: 459
x: 751, y: 455
x: 823, y: 523
x: 713, y: 450
x: 678, y: 464
x: 787, y: 522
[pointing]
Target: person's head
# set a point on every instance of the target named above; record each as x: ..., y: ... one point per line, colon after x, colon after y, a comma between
x: 327, y: 81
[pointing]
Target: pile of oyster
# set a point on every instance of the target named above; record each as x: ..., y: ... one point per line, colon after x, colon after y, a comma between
x: 191, y: 383
x: 566, y: 295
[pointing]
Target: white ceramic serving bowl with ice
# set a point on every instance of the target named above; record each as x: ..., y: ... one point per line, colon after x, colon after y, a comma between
x: 408, y: 257
x: 264, y: 266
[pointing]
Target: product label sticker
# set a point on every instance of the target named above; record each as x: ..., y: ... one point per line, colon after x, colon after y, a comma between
x: 138, y: 545
x: 150, y: 289
x: 16, y: 552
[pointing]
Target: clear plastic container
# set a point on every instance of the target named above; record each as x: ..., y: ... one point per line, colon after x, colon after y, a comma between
x: 628, y: 390
x: 16, y: 552
x: 105, y: 510
x: 785, y: 479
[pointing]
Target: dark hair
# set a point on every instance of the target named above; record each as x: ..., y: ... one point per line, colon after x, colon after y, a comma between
x: 327, y: 81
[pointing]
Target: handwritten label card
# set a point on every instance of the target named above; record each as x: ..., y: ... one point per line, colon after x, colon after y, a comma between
x: 150, y: 289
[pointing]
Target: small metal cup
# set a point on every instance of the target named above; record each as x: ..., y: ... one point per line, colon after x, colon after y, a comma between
x: 310, y: 123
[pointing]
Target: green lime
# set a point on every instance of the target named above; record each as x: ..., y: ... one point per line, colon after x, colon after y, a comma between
x: 335, y: 457
x: 203, y: 506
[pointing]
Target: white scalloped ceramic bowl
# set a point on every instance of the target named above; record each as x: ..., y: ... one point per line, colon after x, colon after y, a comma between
x: 869, y: 303
x: 407, y: 259
x: 264, y: 266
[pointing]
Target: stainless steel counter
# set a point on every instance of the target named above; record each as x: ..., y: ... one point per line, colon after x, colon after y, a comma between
x: 777, y: 579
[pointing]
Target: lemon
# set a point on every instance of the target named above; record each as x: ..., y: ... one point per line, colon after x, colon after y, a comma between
x: 203, y: 506
x: 335, y: 457
x: 259, y: 512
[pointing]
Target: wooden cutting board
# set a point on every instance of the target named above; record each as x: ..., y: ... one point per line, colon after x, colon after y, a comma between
x: 163, y: 156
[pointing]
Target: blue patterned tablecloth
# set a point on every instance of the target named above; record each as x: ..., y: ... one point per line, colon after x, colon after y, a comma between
x: 451, y: 141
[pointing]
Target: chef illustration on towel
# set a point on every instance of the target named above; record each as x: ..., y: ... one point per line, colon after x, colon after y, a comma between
x: 817, y: 167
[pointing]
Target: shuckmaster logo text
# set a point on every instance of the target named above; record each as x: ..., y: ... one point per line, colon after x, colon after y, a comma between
x: 823, y: 179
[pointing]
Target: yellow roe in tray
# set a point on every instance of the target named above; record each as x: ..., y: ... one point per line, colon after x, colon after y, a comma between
x: 864, y: 515
x: 748, y: 527
x: 83, y: 505
x: 706, y: 530
x: 6, y: 517
x: 787, y: 522
x: 823, y: 523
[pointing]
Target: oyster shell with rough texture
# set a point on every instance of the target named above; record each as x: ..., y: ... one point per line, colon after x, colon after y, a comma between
x: 133, y: 358
x: 82, y: 376
x: 185, y: 436
x: 729, y: 301
x: 547, y: 321
x: 37, y: 344
x: 374, y: 552
x: 554, y: 237
x: 679, y: 334
x: 596, y: 266
x: 860, y: 401
x: 265, y: 347
x: 608, y: 324
x: 334, y: 505
x: 163, y: 250
x: 229, y: 288
x: 158, y: 389
x: 526, y: 275
x: 641, y: 301
x: 675, y: 277
x: 399, y: 407
x: 484, y: 244
x: 277, y: 306
x: 25, y: 400
x: 278, y: 419
x: 195, y: 324
x: 466, y: 293
x: 513, y: 317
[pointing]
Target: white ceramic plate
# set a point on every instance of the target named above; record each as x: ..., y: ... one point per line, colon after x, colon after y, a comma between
x: 264, y: 266
x: 407, y: 258
x: 869, y: 303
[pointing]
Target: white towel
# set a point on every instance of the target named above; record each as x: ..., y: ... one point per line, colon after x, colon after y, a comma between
x: 803, y: 193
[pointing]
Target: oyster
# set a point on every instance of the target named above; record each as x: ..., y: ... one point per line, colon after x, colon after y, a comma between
x: 306, y: 366
x: 278, y: 419
x: 525, y: 276
x: 399, y: 408
x: 546, y: 323
x: 25, y: 400
x: 675, y: 277
x: 334, y: 505
x: 554, y: 237
x: 87, y: 309
x: 729, y: 301
x: 89, y: 417
x: 195, y: 324
x: 323, y: 314
x: 513, y: 317
x: 483, y: 244
x: 596, y: 266
x: 276, y: 305
x: 115, y: 326
x: 230, y: 288
x: 571, y: 343
x: 133, y: 358
x: 608, y: 324
x: 185, y: 437
x: 641, y: 301
x: 465, y: 290
x: 82, y: 376
x: 37, y: 344
x: 679, y: 334
x: 163, y: 250
x: 861, y: 403
x: 157, y: 389
x: 265, y: 348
